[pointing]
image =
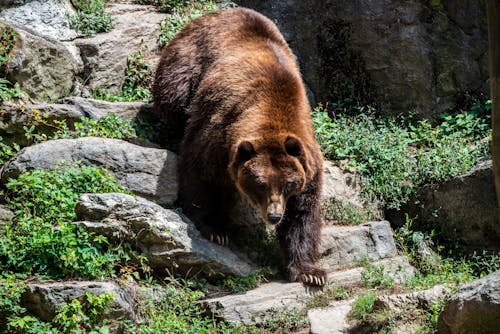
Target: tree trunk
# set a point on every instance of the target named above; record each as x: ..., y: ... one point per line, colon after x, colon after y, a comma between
x: 494, y: 53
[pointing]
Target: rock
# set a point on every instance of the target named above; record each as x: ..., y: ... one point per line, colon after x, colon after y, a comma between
x: 167, y: 239
x: 332, y: 319
x: 6, y: 218
x: 45, y: 69
x: 248, y: 307
x: 43, y: 299
x: 465, y: 209
x: 105, y: 55
x: 419, y: 299
x: 148, y: 172
x: 403, y: 54
x: 348, y: 245
x: 474, y: 308
x: 49, y: 18
x: 341, y: 184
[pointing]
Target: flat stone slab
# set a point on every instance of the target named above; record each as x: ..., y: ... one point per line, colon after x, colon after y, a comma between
x: 332, y: 319
x: 247, y: 307
x: 348, y: 245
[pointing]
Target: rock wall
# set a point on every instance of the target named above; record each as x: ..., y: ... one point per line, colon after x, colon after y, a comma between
x: 406, y: 55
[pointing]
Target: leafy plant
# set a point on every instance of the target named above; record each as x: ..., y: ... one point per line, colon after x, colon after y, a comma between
x: 363, y: 306
x: 109, y: 126
x: 90, y: 17
x: 180, y: 16
x: 8, y: 90
x: 345, y: 213
x: 44, y: 240
x: 290, y: 319
x: 397, y: 156
x: 137, y: 83
x: 375, y: 276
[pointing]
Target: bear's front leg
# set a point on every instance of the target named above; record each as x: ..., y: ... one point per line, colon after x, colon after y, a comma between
x: 299, y: 235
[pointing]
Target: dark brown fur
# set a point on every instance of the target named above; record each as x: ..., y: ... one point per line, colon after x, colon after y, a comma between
x: 229, y: 86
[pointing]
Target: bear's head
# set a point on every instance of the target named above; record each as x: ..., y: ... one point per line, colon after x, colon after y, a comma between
x: 268, y: 172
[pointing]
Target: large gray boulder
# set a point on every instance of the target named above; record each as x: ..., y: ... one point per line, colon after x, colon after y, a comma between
x: 47, y: 17
x: 474, y: 308
x: 408, y: 55
x: 348, y: 245
x: 43, y: 299
x: 148, y: 172
x: 169, y: 240
x: 44, y: 68
x: 465, y: 209
x: 105, y: 55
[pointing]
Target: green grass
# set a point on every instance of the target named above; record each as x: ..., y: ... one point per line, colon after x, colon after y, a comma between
x: 397, y: 156
x: 90, y: 18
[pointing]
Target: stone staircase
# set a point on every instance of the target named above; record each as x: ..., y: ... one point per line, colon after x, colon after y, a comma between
x: 343, y: 250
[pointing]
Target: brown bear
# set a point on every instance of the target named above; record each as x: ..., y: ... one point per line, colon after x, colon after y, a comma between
x: 229, y: 86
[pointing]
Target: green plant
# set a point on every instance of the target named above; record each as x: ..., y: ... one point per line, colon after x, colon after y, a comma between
x: 431, y: 315
x: 8, y: 90
x: 345, y: 213
x: 329, y: 293
x: 289, y: 319
x: 375, y: 276
x: 44, y: 240
x: 397, y: 156
x: 90, y: 17
x: 109, y: 126
x: 136, y: 85
x: 241, y: 284
x: 363, y: 306
x: 180, y: 16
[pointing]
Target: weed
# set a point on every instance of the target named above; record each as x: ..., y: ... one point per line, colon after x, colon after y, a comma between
x: 241, y: 284
x: 396, y: 156
x: 136, y: 86
x: 363, y: 306
x: 345, y: 213
x: 180, y: 16
x: 109, y: 126
x: 8, y: 90
x: 329, y: 293
x: 90, y: 17
x: 375, y: 276
x: 289, y: 319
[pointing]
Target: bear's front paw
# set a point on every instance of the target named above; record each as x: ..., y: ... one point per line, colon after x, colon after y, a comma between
x: 308, y: 274
x: 221, y: 239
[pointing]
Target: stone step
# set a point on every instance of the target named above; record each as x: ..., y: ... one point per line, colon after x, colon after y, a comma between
x: 250, y: 306
x: 334, y: 318
x: 346, y: 246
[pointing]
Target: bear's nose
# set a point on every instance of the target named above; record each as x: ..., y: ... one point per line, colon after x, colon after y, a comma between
x: 274, y: 217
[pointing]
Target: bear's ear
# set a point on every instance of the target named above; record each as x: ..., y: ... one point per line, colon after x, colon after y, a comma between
x: 293, y: 147
x: 245, y: 151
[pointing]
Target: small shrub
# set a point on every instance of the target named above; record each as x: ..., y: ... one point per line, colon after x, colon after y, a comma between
x: 290, y: 319
x: 137, y: 83
x: 363, y: 306
x: 90, y: 17
x: 375, y: 276
x: 109, y: 126
x: 345, y: 213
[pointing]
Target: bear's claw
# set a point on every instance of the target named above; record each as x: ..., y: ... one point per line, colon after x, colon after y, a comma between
x: 220, y: 239
x: 308, y: 274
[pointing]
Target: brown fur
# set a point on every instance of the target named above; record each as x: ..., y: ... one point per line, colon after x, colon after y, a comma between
x: 229, y: 87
